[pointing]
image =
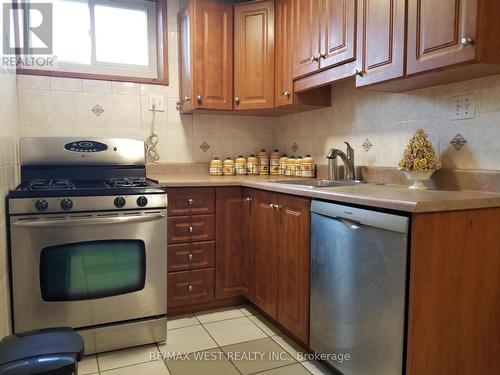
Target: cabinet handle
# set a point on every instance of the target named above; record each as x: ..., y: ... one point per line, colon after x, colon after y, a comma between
x: 467, y: 41
x: 190, y: 201
x: 357, y: 73
x: 190, y: 257
x: 187, y: 99
x: 314, y: 58
x: 321, y: 55
x: 277, y: 206
x: 178, y: 105
x: 286, y: 94
x: 248, y: 199
x: 199, y: 98
x: 237, y: 100
x: 271, y: 205
x: 190, y: 229
x: 190, y: 288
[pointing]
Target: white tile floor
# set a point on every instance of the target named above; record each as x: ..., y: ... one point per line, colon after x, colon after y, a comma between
x: 221, y: 335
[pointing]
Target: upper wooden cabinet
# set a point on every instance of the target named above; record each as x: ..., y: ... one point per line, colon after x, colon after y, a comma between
x: 254, y: 55
x: 440, y: 33
x: 381, y: 37
x: 206, y: 55
x: 324, y: 42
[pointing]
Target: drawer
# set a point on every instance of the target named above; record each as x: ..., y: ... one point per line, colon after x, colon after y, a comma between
x: 190, y: 228
x: 191, y: 256
x: 191, y: 201
x: 190, y: 287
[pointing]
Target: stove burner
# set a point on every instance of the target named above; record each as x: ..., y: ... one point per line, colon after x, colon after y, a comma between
x: 53, y: 184
x: 127, y: 182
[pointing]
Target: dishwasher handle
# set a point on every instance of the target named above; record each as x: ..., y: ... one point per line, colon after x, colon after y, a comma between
x: 353, y: 224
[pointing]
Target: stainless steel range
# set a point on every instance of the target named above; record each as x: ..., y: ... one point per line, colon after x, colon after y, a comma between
x: 88, y: 242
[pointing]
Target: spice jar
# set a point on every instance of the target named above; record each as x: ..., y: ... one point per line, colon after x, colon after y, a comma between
x: 228, y: 167
x: 283, y: 161
x: 263, y: 157
x: 252, y: 165
x: 290, y: 166
x: 308, y: 167
x: 215, y: 168
x: 240, y: 165
x: 298, y: 166
x: 274, y: 165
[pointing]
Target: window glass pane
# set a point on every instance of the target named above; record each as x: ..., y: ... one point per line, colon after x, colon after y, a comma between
x: 121, y: 35
x: 71, y: 22
x: 94, y: 269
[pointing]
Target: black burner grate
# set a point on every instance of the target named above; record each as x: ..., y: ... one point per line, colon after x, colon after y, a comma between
x: 54, y: 184
x: 127, y: 182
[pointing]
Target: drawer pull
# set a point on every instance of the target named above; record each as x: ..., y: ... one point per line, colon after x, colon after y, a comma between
x: 190, y: 201
x: 190, y: 257
x: 190, y: 288
x: 190, y: 229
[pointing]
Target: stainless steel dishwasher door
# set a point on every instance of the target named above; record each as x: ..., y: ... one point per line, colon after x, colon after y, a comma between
x: 358, y: 283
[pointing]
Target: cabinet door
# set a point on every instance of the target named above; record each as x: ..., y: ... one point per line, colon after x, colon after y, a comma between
x: 283, y: 54
x: 293, y: 266
x: 185, y: 59
x: 338, y: 32
x: 231, y: 257
x: 306, y: 36
x: 254, y: 55
x: 435, y: 33
x: 381, y: 37
x: 265, y: 220
x: 213, y: 55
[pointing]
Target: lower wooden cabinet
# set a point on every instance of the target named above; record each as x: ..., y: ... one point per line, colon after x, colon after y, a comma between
x: 190, y: 287
x: 232, y: 263
x: 281, y: 253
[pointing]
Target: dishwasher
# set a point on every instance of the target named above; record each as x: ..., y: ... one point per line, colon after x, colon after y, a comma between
x: 358, y: 287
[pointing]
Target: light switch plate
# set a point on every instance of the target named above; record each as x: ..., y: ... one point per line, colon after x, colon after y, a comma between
x: 463, y: 107
x: 159, y: 101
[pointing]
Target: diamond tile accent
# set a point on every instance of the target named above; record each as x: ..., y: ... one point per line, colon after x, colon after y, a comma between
x: 458, y: 142
x: 295, y: 147
x: 204, y: 146
x: 367, y: 145
x: 98, y: 110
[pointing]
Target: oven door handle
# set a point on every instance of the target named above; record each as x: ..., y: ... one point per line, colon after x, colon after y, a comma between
x: 90, y: 221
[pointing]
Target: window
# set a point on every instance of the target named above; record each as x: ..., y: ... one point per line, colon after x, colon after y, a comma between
x: 108, y: 39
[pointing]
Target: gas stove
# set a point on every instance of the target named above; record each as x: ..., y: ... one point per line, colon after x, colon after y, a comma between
x: 62, y: 174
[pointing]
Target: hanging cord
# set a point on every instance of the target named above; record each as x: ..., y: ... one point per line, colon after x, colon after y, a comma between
x: 152, y: 141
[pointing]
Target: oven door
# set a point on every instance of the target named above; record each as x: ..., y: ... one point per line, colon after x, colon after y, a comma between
x: 87, y: 270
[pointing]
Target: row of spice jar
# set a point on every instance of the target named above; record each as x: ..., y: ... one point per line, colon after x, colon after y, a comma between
x: 264, y: 164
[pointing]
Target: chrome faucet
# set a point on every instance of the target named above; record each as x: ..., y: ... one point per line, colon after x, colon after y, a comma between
x: 348, y: 160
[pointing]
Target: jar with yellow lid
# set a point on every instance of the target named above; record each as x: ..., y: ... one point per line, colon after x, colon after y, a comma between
x: 308, y: 168
x: 263, y: 157
x: 252, y: 165
x: 274, y: 164
x: 290, y: 166
x: 215, y: 167
x: 298, y: 166
x: 283, y: 161
x: 240, y: 165
x: 228, y: 167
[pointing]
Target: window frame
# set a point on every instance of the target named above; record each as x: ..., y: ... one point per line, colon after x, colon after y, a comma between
x: 161, y: 55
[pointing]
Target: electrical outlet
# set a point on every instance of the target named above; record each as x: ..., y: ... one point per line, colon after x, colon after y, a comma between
x: 158, y: 101
x: 463, y: 107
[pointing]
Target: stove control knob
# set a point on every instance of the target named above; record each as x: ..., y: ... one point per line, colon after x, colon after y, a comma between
x: 119, y: 202
x: 66, y: 204
x: 142, y: 201
x: 41, y: 205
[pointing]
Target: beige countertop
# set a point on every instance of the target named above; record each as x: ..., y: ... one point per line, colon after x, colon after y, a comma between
x: 394, y: 197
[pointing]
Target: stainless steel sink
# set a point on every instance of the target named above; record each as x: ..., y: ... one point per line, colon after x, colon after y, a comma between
x: 320, y: 183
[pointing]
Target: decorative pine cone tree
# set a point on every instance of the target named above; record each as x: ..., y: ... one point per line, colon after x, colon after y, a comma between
x: 419, y: 155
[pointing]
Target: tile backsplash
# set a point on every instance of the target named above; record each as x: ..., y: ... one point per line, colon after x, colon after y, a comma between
x: 379, y: 125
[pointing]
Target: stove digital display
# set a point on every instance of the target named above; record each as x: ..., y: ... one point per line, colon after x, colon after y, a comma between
x: 85, y: 146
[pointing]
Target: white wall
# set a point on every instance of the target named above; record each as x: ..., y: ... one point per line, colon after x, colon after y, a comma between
x: 388, y: 121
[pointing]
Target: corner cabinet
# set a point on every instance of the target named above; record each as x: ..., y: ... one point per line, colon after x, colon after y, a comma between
x: 206, y: 56
x: 254, y: 55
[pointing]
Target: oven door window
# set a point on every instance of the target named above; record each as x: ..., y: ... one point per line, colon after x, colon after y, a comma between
x: 93, y: 269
